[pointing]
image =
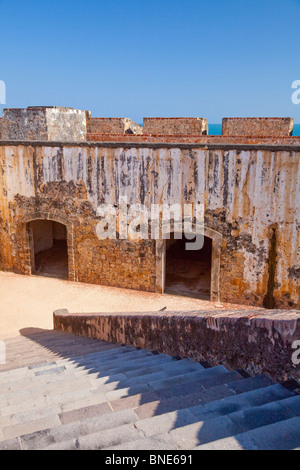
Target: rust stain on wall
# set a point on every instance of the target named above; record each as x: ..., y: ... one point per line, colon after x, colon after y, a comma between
x: 246, y: 191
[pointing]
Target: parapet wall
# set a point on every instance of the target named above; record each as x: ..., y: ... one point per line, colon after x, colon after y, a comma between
x: 250, y: 194
x: 260, y: 341
x: 70, y: 125
x: 195, y: 130
x: 249, y: 187
x: 113, y: 126
x: 175, y: 126
x: 44, y: 123
x: 260, y: 127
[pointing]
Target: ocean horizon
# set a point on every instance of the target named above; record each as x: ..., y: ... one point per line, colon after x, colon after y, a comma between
x: 216, y: 129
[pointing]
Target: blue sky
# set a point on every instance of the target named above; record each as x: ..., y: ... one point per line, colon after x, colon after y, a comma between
x: 130, y: 58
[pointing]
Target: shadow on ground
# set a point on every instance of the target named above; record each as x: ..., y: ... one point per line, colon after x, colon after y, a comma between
x: 150, y: 395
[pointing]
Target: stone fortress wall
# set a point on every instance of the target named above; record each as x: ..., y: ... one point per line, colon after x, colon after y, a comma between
x: 60, y: 164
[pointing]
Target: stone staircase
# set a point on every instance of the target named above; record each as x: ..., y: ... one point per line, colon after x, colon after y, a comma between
x: 59, y: 391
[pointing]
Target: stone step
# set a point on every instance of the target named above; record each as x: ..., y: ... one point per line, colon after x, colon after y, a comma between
x: 34, y: 353
x: 75, y: 430
x: 283, y: 435
x: 9, y: 444
x: 215, y: 409
x: 161, y: 442
x: 189, y: 389
x: 101, y: 386
x: 138, y: 364
x: 145, y: 404
x: 43, y: 381
x: 15, y: 400
x: 31, y: 426
x: 144, y: 358
x: 100, y: 357
x: 66, y: 392
x: 128, y: 437
x: 53, y: 392
x: 62, y: 399
x: 166, y: 382
x: 28, y: 416
x: 121, y: 353
x: 70, y: 400
x: 118, y: 436
x: 177, y: 402
x: 22, y: 378
x: 61, y: 348
x: 154, y: 364
x: 110, y: 437
x: 172, y: 370
x: 50, y: 374
x: 220, y: 427
x: 159, y: 385
x: 19, y: 414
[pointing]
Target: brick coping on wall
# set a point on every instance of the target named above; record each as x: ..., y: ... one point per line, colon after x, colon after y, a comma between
x: 208, y: 141
x: 195, y: 139
x: 274, y: 144
x: 258, y: 341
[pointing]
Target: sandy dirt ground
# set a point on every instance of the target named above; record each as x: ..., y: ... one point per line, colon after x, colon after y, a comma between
x: 29, y: 301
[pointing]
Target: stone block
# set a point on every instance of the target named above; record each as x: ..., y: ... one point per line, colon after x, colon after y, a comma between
x: 113, y: 126
x: 175, y: 126
x: 260, y: 127
x: 44, y: 124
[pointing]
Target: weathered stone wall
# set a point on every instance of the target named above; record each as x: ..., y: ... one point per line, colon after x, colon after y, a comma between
x: 118, y: 263
x: 251, y: 196
x: 175, y: 126
x: 24, y: 124
x: 260, y: 342
x: 113, y: 126
x: 44, y: 123
x: 66, y: 124
x: 261, y: 127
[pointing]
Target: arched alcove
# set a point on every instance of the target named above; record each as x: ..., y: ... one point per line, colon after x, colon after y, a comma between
x: 189, y: 272
x: 50, y: 245
x: 49, y: 248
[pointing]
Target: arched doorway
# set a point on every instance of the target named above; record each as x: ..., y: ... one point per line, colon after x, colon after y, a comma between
x: 48, y: 248
x: 188, y: 272
x: 208, y: 257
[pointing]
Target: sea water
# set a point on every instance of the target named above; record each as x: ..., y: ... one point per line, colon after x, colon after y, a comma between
x: 296, y: 130
x: 216, y: 129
